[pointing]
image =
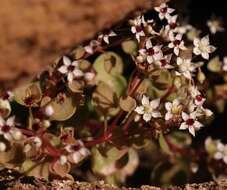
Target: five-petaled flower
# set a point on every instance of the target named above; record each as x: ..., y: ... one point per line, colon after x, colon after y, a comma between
x: 71, y: 69
x: 190, y: 122
x: 148, y: 108
x: 176, y: 43
x: 164, y: 11
x: 185, y: 67
x: 197, y: 96
x: 152, y: 53
x: 173, y: 109
x: 165, y: 62
x: 202, y: 47
x: 138, y: 27
x: 8, y: 130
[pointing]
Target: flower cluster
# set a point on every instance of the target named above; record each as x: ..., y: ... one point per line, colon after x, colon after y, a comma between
x: 91, y: 96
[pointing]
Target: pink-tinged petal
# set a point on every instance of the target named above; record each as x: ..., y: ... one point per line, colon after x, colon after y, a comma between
x: 168, y: 116
x: 208, y: 112
x: 183, y: 126
x: 63, y: 69
x: 147, y: 117
x: 133, y: 29
x: 218, y: 156
x: 197, y: 125
x: 84, y: 152
x: 176, y: 102
x: 76, y: 157
x: 170, y: 10
x: 156, y: 114
x: 176, y: 51
x: 75, y: 63
x: 181, y: 46
x: 10, y: 121
x: 212, y: 49
x: 185, y: 116
x: 145, y: 101
x: 139, y: 110
x: 78, y: 73
x: 70, y: 77
x: 155, y: 103
x: 191, y: 130
x: 88, y: 49
x: 178, y: 36
x: 7, y: 136
x: 66, y: 61
x: 168, y: 106
x: 187, y: 74
x: 89, y: 76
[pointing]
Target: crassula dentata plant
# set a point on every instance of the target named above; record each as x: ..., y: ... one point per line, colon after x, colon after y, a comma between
x: 139, y: 83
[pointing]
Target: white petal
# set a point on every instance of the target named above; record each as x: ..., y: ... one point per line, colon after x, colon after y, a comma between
x: 225, y: 159
x: 89, y: 76
x: 168, y: 116
x: 75, y: 63
x: 191, y: 130
x: 66, y: 61
x: 2, y: 121
x: 155, y: 103
x: 10, y: 121
x: 106, y: 39
x: 76, y: 156
x: 156, y: 114
x: 196, y: 51
x: 176, y: 51
x: 205, y: 55
x: 185, y: 116
x: 145, y: 101
x: 147, y: 117
x: 197, y: 125
x: 88, y: 49
x: 139, y: 110
x: 78, y: 73
x: 150, y: 59
x: 218, y: 155
x: 168, y: 106
x: 196, y: 42
x: 63, y: 69
x: 70, y: 77
x: 183, y: 126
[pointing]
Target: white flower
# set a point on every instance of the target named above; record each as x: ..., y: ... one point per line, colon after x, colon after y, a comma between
x: 91, y: 46
x: 172, y: 23
x: 202, y: 47
x: 71, y: 69
x: 197, y: 96
x: 215, y: 25
x: 7, y: 128
x: 165, y: 62
x: 190, y: 122
x: 152, y: 53
x: 148, y: 109
x: 164, y: 11
x: 173, y: 109
x: 138, y: 26
x: 105, y: 36
x: 77, y: 151
x: 185, y: 67
x: 176, y: 43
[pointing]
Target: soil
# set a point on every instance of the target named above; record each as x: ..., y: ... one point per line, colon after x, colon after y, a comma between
x: 12, y: 180
x: 34, y: 33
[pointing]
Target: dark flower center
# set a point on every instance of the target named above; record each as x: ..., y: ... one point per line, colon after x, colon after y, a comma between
x: 76, y: 147
x: 177, y: 42
x: 199, y: 98
x: 71, y: 68
x: 151, y: 51
x: 190, y: 121
x: 28, y: 100
x: 6, y: 128
x: 173, y: 25
x: 139, y: 28
x: 163, y: 10
x: 36, y: 126
x: 163, y: 62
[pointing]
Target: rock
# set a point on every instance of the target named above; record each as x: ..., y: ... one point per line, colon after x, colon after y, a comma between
x: 33, y: 33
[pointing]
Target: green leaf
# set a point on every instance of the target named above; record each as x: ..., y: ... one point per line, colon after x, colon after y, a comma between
x: 164, y: 146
